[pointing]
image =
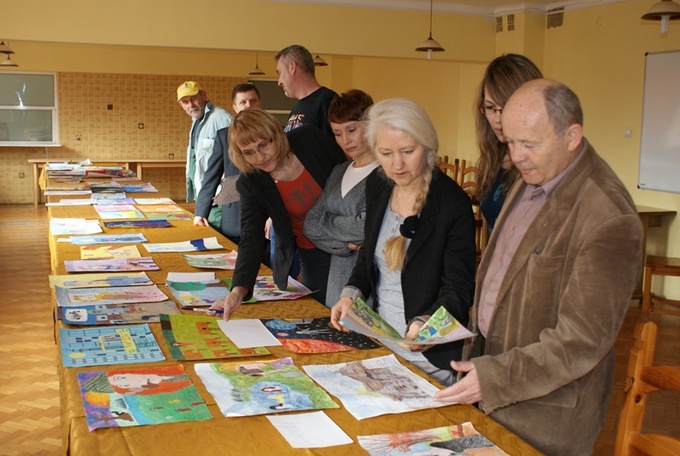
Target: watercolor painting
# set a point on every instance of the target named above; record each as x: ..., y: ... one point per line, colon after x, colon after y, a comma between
x: 210, y: 243
x: 147, y: 201
x: 138, y: 224
x: 104, y: 345
x: 375, y: 386
x: 195, y: 337
x: 117, y: 314
x: 144, y: 187
x: 137, y: 397
x: 100, y: 280
x: 198, y: 294
x: 315, y: 335
x: 69, y: 226
x: 212, y: 261
x: 111, y: 264
x: 440, y: 328
x: 170, y: 216
x: 462, y: 439
x: 257, y: 388
x: 91, y: 252
x: 70, y: 297
x: 118, y: 211
x: 161, y: 208
x: 108, y: 239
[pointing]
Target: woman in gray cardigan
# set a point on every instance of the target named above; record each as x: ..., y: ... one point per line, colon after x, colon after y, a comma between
x: 335, y: 224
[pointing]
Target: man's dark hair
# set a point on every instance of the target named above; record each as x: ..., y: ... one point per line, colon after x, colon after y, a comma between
x: 245, y: 87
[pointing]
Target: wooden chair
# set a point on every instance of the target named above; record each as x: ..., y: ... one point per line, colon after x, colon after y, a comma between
x: 642, y: 379
x: 659, y: 266
x: 467, y: 179
x: 450, y: 169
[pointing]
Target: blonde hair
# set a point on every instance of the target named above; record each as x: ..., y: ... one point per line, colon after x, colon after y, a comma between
x: 250, y: 126
x: 407, y: 116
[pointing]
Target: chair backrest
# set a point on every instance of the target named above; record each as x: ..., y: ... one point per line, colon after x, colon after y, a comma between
x: 644, y: 378
x: 450, y: 169
x: 467, y: 179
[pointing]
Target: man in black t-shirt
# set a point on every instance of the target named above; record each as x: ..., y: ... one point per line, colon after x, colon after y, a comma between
x: 295, y: 67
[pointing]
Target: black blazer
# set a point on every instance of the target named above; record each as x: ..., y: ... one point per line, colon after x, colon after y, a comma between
x: 219, y: 164
x: 439, y: 268
x: 260, y: 199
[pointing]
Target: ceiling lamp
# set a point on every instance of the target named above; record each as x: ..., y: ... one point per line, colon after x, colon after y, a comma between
x: 663, y: 11
x: 256, y: 71
x: 5, y: 49
x: 429, y: 44
x: 318, y: 61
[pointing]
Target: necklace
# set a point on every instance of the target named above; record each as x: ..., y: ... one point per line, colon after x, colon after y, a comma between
x: 279, y: 171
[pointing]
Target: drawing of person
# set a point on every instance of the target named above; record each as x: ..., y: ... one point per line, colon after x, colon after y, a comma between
x: 139, y: 382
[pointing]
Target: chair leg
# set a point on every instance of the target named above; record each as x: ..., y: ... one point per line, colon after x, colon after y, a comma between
x: 647, y: 293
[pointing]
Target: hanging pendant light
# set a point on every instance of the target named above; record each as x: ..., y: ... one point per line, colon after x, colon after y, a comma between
x: 5, y: 49
x: 663, y: 11
x: 430, y: 45
x: 318, y: 61
x: 256, y: 71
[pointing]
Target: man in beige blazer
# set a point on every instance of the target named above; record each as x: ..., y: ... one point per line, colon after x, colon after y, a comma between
x: 554, y: 283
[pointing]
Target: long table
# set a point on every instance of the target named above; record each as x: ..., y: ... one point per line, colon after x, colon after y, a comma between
x: 242, y: 435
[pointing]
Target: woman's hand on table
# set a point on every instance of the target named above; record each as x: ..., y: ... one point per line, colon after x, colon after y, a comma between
x: 338, y: 311
x: 200, y: 221
x: 228, y: 305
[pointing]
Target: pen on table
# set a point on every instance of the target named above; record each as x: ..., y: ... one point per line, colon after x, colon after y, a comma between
x: 204, y: 309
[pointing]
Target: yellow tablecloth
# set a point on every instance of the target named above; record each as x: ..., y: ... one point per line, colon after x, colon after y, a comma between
x: 242, y: 435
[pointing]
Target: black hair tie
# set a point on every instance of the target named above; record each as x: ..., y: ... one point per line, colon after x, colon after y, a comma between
x: 409, y: 227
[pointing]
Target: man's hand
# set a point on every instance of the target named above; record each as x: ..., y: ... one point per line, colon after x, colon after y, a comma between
x: 200, y: 221
x: 465, y: 391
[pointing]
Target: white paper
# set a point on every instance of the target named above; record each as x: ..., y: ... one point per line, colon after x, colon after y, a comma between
x: 309, y: 430
x: 191, y: 277
x: 68, y: 226
x: 248, y: 333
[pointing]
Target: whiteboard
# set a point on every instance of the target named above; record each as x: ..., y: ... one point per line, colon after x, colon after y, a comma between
x: 660, y: 139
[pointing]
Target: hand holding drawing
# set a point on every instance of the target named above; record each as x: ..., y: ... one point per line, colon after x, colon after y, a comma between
x: 338, y: 312
x: 412, y: 333
x: 229, y: 304
x: 465, y: 391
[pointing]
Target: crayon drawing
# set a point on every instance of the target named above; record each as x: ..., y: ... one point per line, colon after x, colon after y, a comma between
x: 462, y: 439
x: 315, y: 335
x: 145, y: 201
x: 161, y: 208
x: 111, y: 264
x: 138, y: 224
x: 169, y: 216
x: 91, y: 252
x: 374, y: 387
x: 70, y: 297
x: 117, y: 211
x: 100, y: 280
x: 210, y: 243
x: 117, y: 314
x: 200, y: 337
x: 108, y: 239
x: 212, y: 261
x: 198, y: 294
x: 137, y: 397
x: 104, y: 345
x: 257, y: 388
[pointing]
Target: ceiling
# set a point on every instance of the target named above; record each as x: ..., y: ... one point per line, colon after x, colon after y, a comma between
x: 471, y: 7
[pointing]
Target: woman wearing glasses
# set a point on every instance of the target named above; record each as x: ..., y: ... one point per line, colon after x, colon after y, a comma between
x: 419, y: 244
x: 282, y: 176
x: 495, y: 173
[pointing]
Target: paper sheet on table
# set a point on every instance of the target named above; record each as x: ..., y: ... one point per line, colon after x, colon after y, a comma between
x: 190, y: 277
x: 248, y: 333
x: 309, y: 430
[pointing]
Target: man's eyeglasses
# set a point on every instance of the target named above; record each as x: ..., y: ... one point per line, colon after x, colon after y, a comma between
x: 250, y: 153
x: 490, y: 109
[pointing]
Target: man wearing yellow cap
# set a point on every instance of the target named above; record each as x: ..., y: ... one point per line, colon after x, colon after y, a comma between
x: 207, y: 119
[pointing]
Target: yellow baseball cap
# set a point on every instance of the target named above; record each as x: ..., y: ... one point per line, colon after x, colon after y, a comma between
x: 188, y: 88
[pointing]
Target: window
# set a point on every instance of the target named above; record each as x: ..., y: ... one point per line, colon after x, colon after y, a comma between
x: 274, y: 100
x: 28, y: 109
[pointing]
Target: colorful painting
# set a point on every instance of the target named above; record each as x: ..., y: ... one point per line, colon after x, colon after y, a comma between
x: 68, y: 226
x: 266, y: 290
x: 198, y: 294
x: 118, y: 211
x: 100, y: 280
x: 212, y: 261
x: 137, y: 397
x: 161, y: 208
x: 440, y: 328
x: 374, y: 387
x: 111, y: 264
x: 258, y: 388
x: 71, y: 297
x: 116, y: 314
x: 147, y: 201
x: 108, y: 239
x: 315, y: 335
x: 200, y: 337
x: 185, y: 246
x: 170, y: 216
x: 91, y: 252
x: 145, y: 187
x: 115, y: 201
x: 105, y: 345
x: 462, y: 439
x: 138, y: 224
